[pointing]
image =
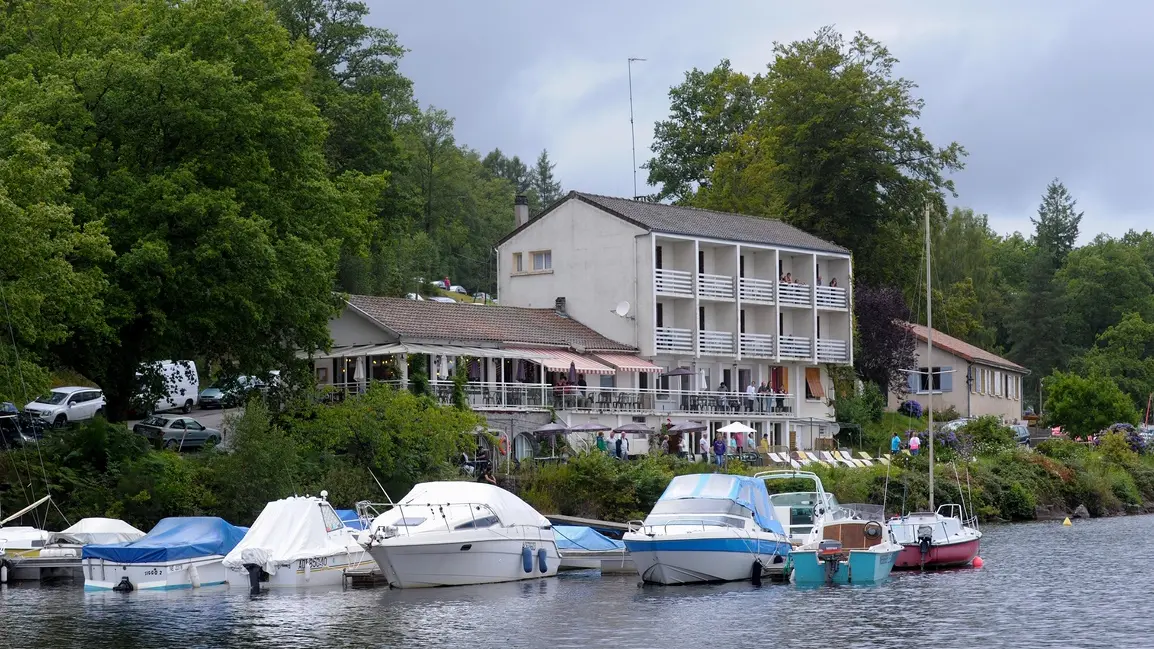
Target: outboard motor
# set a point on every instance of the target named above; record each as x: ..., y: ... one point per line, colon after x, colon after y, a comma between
x: 124, y: 586
x: 925, y: 541
x: 830, y: 554
x: 255, y: 576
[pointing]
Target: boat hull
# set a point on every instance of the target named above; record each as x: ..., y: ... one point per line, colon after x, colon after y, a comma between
x: 413, y: 562
x: 697, y: 558
x: 307, y: 573
x: 202, y: 572
x: 862, y: 567
x: 940, y: 555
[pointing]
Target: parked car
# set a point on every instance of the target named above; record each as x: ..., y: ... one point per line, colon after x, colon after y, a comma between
x: 64, y: 405
x: 231, y: 395
x: 440, y: 283
x: 482, y: 297
x: 176, y: 433
x: 18, y: 428
x: 445, y: 300
x: 1021, y: 434
x: 955, y: 424
x: 180, y: 391
x: 458, y: 289
x: 414, y: 296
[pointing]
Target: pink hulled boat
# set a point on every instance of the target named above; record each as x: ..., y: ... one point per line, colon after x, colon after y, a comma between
x: 935, y: 539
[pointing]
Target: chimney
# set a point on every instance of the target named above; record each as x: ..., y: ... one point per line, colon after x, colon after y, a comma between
x: 521, y: 210
x: 559, y: 307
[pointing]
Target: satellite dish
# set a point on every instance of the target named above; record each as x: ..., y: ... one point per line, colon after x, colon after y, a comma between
x: 622, y: 309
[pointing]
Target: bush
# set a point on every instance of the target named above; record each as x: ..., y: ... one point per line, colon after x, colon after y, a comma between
x: 983, y: 436
x: 1116, y: 450
x: 1135, y: 439
x: 863, y: 408
x: 949, y: 414
x: 1017, y: 503
x: 911, y: 408
x: 1062, y: 449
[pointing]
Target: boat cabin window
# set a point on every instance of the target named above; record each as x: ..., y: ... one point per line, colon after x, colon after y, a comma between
x: 695, y: 509
x: 332, y: 521
x: 480, y: 523
x: 410, y: 521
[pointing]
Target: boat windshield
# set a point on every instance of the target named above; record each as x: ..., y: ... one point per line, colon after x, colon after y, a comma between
x: 696, y: 509
x: 800, y: 499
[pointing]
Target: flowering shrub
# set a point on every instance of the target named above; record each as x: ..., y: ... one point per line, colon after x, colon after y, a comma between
x: 911, y: 408
x: 1134, y: 438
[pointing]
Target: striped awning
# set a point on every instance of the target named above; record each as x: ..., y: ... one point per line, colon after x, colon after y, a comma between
x: 628, y: 363
x: 353, y: 351
x: 558, y: 360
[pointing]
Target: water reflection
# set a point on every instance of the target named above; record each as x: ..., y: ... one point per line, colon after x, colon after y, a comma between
x: 1043, y: 586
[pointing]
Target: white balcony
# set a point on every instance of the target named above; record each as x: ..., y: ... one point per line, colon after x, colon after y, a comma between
x: 674, y: 340
x: 756, y: 346
x: 832, y: 297
x: 795, y: 347
x: 714, y: 287
x: 755, y: 291
x: 794, y: 295
x: 832, y: 351
x: 673, y: 283
x: 715, y: 343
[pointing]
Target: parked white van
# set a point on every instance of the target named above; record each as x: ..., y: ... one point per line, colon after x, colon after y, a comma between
x: 181, y: 386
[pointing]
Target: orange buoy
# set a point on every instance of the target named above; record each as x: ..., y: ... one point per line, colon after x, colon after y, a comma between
x: 978, y: 562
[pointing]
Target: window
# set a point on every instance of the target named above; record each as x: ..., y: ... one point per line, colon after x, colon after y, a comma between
x: 742, y: 324
x: 660, y: 315
x: 330, y: 518
x: 701, y: 318
x: 997, y: 384
x: 781, y: 324
x: 657, y: 257
x: 813, y: 389
x: 818, y: 331
x: 487, y: 521
x: 543, y: 260
x: 941, y: 377
x: 701, y: 261
x: 741, y: 266
x: 518, y: 263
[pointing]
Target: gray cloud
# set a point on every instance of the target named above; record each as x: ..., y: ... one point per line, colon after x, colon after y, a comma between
x: 1033, y: 90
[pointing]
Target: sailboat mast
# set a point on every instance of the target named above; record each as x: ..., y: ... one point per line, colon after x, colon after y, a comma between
x: 930, y: 358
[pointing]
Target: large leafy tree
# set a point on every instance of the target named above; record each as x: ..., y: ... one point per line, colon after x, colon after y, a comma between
x: 1124, y: 353
x: 885, y: 344
x: 194, y: 144
x: 1086, y: 405
x: 1100, y: 283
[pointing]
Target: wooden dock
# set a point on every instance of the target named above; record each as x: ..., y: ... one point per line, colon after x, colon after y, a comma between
x: 365, y: 578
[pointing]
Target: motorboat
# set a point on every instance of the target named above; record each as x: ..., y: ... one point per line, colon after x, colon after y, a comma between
x: 296, y: 542
x: 584, y: 548
x: 180, y: 552
x: 461, y: 533
x: 708, y: 527
x: 936, y: 539
x: 834, y: 543
x: 19, y: 543
x: 60, y: 555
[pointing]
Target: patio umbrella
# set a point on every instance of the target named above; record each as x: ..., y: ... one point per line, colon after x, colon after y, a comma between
x: 521, y: 370
x: 688, y: 427
x: 591, y: 427
x: 736, y: 427
x: 553, y: 428
x: 572, y: 372
x: 679, y: 371
x: 359, y: 372
x: 633, y: 428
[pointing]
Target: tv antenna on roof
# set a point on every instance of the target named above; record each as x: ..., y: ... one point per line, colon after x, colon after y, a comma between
x: 632, y: 135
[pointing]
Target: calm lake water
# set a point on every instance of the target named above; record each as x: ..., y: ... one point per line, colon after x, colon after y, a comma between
x: 1042, y: 586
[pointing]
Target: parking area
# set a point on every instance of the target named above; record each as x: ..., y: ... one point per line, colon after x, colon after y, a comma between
x: 218, y: 418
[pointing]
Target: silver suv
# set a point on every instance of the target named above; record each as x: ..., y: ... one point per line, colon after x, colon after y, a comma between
x: 64, y: 405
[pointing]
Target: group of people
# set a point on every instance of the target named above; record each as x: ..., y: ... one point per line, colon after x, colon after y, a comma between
x: 914, y: 444
x: 789, y: 279
x: 737, y: 444
x: 758, y: 398
x: 618, y: 446
x: 563, y: 389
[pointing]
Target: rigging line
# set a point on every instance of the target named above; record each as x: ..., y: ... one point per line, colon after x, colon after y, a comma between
x: 24, y: 387
x: 10, y: 451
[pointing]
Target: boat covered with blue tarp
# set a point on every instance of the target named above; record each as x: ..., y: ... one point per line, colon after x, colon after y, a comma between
x: 173, y: 539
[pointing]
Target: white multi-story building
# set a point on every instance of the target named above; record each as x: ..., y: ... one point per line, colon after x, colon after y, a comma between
x: 725, y: 300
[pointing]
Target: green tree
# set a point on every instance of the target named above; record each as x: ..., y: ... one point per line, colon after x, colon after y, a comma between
x: 1083, y: 406
x: 707, y: 112
x: 194, y: 144
x: 1125, y: 354
x: 1056, y: 228
x: 50, y: 278
x: 545, y: 185
x: 260, y: 466
x: 834, y: 150
x: 1100, y: 283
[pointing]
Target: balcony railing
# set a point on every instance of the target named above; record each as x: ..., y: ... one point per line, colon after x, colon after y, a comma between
x: 715, y: 287
x: 674, y: 340
x: 795, y: 347
x: 832, y: 351
x: 757, y: 346
x: 715, y: 343
x: 832, y: 297
x: 759, y: 291
x: 479, y: 395
x: 675, y: 283
x: 794, y: 294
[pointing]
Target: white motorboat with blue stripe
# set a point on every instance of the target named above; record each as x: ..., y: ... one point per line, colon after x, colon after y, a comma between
x: 708, y: 528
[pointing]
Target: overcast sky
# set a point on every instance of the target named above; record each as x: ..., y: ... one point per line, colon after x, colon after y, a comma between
x: 1032, y: 90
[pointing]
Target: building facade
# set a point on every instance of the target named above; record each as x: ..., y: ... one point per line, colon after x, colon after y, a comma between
x: 725, y: 301
x: 969, y: 379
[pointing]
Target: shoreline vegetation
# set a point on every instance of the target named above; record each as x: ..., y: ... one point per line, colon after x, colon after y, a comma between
x: 399, y: 438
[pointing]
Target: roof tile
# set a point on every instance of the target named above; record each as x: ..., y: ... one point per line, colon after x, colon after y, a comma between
x: 426, y: 320
x: 964, y: 349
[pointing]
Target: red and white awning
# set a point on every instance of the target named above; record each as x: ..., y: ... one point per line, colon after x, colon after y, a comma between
x: 558, y: 360
x: 629, y: 363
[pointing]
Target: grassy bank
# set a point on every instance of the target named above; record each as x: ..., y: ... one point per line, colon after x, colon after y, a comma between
x: 1009, y: 484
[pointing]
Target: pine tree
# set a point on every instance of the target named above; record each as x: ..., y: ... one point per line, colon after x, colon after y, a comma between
x: 544, y: 183
x: 1056, y: 228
